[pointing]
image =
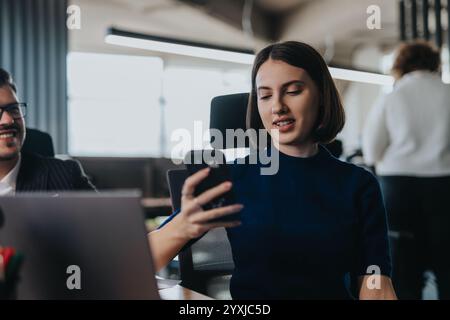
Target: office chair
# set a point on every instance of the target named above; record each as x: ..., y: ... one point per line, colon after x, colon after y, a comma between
x: 38, y: 142
x: 208, y: 263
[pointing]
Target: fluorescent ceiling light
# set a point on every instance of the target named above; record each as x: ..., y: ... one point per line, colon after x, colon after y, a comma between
x: 236, y: 55
x: 361, y: 76
x: 181, y: 47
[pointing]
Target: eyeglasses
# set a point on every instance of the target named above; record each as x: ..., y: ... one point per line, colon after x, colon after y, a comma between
x: 15, y: 110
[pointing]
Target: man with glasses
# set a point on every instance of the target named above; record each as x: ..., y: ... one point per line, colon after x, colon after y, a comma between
x: 29, y: 172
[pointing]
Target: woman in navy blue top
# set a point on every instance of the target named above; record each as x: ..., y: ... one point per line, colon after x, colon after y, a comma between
x: 313, y: 226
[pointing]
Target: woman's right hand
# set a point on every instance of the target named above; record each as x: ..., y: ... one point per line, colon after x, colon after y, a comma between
x: 192, y: 221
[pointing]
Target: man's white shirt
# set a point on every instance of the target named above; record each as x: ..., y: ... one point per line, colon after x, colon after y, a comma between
x: 8, y: 183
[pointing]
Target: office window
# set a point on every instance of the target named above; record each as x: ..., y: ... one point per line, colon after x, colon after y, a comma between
x: 130, y: 106
x: 114, y: 105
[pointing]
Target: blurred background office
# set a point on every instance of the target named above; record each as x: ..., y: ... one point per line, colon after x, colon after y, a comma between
x: 99, y: 79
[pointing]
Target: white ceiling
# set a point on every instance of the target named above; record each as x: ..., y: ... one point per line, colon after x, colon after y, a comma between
x: 344, y: 24
x: 341, y: 22
x: 280, y: 5
x: 161, y: 17
x: 275, y: 5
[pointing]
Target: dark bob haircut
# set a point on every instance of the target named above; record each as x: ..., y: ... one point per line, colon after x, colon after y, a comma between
x: 418, y: 55
x: 331, y: 116
x: 6, y: 80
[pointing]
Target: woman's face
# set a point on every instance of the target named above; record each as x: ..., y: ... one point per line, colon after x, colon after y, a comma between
x: 288, y: 101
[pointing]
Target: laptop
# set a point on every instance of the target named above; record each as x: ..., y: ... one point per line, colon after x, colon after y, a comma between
x: 79, y: 245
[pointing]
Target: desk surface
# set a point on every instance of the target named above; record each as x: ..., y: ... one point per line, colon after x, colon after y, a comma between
x: 180, y: 293
x: 156, y: 202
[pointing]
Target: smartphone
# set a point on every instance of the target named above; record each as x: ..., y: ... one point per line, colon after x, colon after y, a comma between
x: 197, y: 160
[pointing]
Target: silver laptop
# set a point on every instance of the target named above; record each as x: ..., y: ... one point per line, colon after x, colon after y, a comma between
x: 79, y: 246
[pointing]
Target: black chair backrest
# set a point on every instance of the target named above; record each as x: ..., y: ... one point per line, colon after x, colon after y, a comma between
x: 228, y: 112
x: 38, y: 142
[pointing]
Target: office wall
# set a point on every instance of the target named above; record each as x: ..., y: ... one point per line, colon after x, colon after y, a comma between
x: 33, y: 47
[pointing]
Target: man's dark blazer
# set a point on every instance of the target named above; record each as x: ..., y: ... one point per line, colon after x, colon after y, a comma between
x: 39, y: 173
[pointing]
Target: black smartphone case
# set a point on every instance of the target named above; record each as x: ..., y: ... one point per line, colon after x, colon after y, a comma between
x: 219, y: 173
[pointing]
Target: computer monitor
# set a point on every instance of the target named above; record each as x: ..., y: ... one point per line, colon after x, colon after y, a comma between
x: 100, y: 238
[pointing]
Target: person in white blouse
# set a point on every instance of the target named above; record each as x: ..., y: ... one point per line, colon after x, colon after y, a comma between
x: 407, y: 138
